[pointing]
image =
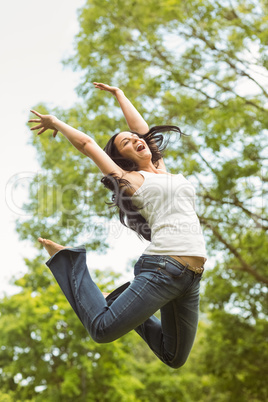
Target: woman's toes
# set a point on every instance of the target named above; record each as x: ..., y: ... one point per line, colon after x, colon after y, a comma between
x: 51, y: 247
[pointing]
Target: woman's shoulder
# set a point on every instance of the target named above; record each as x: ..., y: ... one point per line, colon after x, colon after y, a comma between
x: 135, y: 180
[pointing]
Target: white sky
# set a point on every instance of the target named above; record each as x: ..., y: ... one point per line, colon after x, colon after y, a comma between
x: 34, y: 38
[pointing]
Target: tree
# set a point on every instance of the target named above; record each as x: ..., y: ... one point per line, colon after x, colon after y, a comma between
x: 201, y: 65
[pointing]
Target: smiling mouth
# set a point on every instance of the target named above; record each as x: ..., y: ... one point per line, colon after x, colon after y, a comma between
x: 140, y: 148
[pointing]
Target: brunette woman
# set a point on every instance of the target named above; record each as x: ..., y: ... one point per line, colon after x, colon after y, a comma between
x: 161, y: 208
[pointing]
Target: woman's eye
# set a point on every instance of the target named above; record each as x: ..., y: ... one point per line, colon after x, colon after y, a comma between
x: 125, y: 143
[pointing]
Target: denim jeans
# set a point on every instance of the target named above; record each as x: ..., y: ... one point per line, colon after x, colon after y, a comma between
x: 160, y: 283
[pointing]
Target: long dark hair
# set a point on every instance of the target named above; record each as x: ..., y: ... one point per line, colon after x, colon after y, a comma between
x: 128, y: 213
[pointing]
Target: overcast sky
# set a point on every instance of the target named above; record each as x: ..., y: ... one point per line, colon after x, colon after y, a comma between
x: 34, y: 38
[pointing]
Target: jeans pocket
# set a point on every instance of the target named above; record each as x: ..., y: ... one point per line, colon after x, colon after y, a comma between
x: 173, y: 270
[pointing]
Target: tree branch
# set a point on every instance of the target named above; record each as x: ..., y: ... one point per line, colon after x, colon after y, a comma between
x: 177, y: 78
x: 229, y: 89
x: 244, y: 266
x: 225, y: 58
x: 255, y: 217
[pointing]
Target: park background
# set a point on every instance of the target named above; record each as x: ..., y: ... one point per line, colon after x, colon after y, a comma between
x: 200, y: 65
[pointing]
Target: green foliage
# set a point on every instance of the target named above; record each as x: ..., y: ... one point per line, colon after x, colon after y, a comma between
x: 236, y: 351
x: 202, y: 65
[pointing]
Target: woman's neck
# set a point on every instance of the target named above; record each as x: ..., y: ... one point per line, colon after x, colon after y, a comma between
x: 150, y: 168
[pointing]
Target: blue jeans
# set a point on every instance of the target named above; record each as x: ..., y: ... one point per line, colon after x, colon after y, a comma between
x: 160, y: 283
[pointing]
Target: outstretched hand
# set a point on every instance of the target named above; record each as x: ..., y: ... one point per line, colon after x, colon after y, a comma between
x: 46, y: 122
x: 108, y: 88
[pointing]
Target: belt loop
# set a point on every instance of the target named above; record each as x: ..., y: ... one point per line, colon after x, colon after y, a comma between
x: 162, y: 264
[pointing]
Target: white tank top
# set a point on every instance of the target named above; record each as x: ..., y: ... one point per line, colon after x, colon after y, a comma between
x: 168, y: 203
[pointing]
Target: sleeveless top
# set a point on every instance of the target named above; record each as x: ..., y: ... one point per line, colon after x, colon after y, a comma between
x: 168, y: 205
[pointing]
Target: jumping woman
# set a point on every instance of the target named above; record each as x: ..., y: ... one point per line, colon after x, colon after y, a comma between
x: 160, y: 207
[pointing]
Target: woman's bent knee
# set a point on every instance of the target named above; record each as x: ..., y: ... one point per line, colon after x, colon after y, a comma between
x: 175, y: 365
x: 176, y: 362
x: 100, y: 336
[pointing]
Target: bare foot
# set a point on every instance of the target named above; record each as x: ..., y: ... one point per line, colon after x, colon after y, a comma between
x: 51, y: 247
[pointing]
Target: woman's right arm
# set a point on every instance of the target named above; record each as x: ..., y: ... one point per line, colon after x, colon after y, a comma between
x: 79, y: 140
x: 133, y: 118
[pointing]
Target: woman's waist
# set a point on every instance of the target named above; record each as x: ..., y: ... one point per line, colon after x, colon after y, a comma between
x: 193, y: 261
x: 160, y: 261
x: 193, y: 251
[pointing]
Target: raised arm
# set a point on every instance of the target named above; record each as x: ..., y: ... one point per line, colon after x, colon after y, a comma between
x: 85, y: 144
x: 133, y: 118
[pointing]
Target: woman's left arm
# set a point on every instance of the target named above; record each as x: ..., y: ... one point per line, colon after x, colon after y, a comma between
x: 133, y: 118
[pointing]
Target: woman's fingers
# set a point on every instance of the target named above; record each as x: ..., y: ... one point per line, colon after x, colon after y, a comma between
x: 37, y: 127
x: 36, y: 113
x: 34, y: 121
x: 100, y: 85
x: 41, y: 131
x: 45, y: 123
x: 105, y: 87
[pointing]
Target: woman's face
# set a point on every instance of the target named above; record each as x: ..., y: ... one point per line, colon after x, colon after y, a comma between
x: 133, y: 147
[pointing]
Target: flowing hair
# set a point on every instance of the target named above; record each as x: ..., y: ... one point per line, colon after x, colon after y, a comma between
x: 129, y: 213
